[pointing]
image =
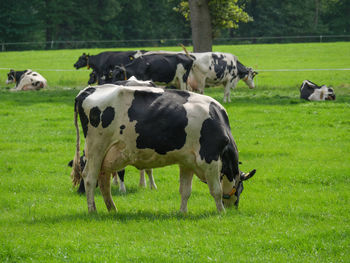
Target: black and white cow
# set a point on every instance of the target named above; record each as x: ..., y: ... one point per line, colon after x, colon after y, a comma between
x: 159, y: 68
x: 214, y: 68
x: 104, y: 62
x: 152, y: 127
x: 118, y: 177
x: 311, y: 91
x: 26, y: 80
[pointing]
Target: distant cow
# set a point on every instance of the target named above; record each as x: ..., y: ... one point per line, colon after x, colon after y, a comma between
x: 115, y: 175
x: 152, y: 127
x: 214, y: 68
x: 26, y: 80
x: 159, y: 68
x: 104, y: 62
x: 311, y: 91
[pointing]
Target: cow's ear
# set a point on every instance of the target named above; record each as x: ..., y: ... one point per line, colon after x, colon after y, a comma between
x: 247, y: 176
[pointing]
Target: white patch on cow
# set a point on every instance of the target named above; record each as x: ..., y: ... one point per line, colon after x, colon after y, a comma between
x: 320, y: 94
x: 30, y: 81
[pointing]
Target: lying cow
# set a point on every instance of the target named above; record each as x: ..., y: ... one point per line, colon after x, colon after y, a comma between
x: 104, y: 62
x: 214, y: 68
x: 159, y: 68
x: 26, y: 80
x: 311, y: 91
x: 115, y: 175
x: 152, y: 127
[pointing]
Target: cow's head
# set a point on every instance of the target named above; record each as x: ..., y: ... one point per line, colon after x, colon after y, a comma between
x: 83, y: 61
x: 119, y: 73
x: 328, y: 93
x: 232, y: 190
x: 249, y: 78
x: 11, y: 77
x: 93, y: 78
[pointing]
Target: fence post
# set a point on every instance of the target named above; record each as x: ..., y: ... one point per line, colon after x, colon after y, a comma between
x: 2, y: 46
x: 321, y: 38
x: 51, y: 44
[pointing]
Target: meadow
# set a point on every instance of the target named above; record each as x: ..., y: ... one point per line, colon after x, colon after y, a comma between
x: 295, y: 209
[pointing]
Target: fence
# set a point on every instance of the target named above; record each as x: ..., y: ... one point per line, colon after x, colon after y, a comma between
x: 72, y: 44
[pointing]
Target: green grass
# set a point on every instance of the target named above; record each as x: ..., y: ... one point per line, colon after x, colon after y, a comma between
x: 295, y: 209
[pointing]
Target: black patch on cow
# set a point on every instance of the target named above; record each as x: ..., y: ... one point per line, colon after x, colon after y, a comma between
x: 220, y: 65
x: 216, y: 141
x: 231, y: 67
x: 161, y: 119
x: 107, y: 116
x: 78, y: 104
x: 241, y: 70
x: 213, y: 137
x: 94, y: 116
x: 122, y: 128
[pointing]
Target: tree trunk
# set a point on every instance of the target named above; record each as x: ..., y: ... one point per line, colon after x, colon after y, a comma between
x: 202, y: 36
x: 317, y: 9
x: 47, y: 24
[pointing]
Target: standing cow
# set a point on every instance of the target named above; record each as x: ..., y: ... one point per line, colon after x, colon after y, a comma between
x: 151, y: 127
x: 160, y: 68
x: 311, y: 91
x: 26, y: 80
x: 214, y: 68
x: 104, y: 62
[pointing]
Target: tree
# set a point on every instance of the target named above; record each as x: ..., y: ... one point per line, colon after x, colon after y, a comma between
x: 208, y: 17
x: 201, y: 25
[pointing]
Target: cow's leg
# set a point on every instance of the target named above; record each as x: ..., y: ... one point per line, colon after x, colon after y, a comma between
x: 227, y: 92
x: 213, y: 180
x: 121, y: 174
x: 142, y: 182
x: 104, y: 181
x: 230, y: 84
x: 90, y: 175
x: 186, y: 176
x: 115, y: 180
x: 152, y: 183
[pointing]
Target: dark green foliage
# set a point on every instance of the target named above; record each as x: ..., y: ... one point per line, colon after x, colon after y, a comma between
x: 43, y: 21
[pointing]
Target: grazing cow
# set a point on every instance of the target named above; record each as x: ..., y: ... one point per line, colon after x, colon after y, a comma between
x: 26, y: 80
x: 311, y: 91
x: 159, y: 68
x: 121, y: 173
x: 214, y: 68
x: 104, y: 62
x: 152, y: 127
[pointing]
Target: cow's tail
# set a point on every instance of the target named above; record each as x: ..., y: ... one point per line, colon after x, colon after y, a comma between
x: 186, y: 52
x: 76, y: 171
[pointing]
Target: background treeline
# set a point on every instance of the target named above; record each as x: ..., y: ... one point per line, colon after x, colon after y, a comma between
x: 44, y: 21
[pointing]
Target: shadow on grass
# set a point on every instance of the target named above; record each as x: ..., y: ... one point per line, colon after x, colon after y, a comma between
x: 120, y: 216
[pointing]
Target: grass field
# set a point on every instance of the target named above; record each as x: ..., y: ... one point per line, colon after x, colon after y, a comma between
x: 295, y: 209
